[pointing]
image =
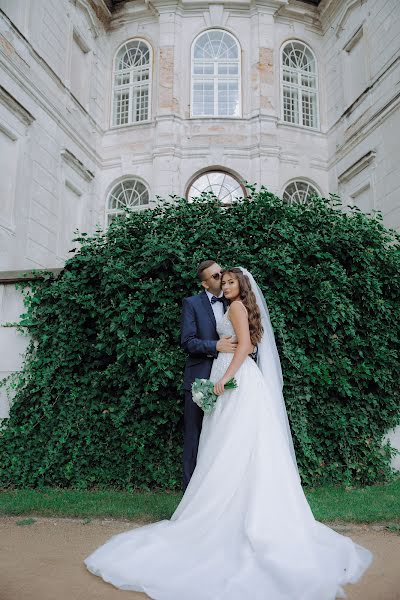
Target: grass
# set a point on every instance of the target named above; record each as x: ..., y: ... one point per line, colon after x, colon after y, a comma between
x: 372, y: 504
x: 24, y: 522
x: 53, y: 502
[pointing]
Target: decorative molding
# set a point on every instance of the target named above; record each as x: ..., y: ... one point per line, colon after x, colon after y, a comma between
x: 358, y: 191
x: 76, y: 165
x: 318, y: 163
x: 86, y: 8
x: 358, y: 166
x: 365, y: 130
x: 8, y: 132
x: 70, y: 185
x: 302, y: 13
x: 216, y: 16
x: 290, y: 159
x: 41, y: 97
x: 15, y: 107
x: 80, y: 40
x: 129, y: 13
x: 101, y: 5
x: 152, y: 8
x: 11, y: 277
x: 305, y: 130
x: 343, y: 16
x: 354, y: 38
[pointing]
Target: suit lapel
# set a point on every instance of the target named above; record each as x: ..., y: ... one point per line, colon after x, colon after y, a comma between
x: 208, y: 309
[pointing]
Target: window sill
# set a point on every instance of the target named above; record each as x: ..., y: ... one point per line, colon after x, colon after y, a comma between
x: 113, y: 128
x: 303, y: 128
x: 214, y: 118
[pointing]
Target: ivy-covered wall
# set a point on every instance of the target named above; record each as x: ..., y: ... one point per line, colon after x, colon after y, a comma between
x: 99, y: 401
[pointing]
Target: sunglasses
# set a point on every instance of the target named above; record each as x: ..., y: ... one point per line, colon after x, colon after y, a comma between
x: 216, y: 276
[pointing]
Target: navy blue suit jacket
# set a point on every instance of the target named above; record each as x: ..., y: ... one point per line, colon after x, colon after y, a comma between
x: 198, y: 337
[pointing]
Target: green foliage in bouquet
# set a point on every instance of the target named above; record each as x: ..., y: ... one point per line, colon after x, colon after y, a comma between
x: 203, y: 393
x: 99, y: 400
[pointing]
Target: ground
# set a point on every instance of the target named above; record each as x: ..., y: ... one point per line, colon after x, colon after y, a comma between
x: 43, y: 560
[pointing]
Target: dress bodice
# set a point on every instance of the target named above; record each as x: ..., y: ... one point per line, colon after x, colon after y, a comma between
x: 225, y: 327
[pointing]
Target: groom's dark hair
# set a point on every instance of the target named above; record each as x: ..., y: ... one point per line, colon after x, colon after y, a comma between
x: 203, y: 266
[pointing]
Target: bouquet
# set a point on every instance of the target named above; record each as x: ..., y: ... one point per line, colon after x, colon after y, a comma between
x: 203, y: 393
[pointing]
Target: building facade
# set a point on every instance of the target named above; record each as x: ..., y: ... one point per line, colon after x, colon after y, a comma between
x: 110, y: 103
x: 103, y: 104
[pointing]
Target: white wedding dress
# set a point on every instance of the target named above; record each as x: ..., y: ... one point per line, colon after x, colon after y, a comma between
x: 243, y: 529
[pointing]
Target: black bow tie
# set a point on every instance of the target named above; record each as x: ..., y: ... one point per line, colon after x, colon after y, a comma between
x: 214, y: 299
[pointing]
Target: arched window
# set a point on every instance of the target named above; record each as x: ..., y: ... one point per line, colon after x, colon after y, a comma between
x: 299, y: 192
x: 299, y: 85
x: 129, y: 193
x: 215, y: 75
x: 223, y: 185
x: 131, y: 83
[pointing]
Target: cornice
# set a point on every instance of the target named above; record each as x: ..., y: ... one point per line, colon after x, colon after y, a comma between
x: 303, y: 13
x: 15, y: 107
x: 364, y: 131
x: 93, y: 9
x: 11, y: 277
x: 334, y: 13
x: 77, y: 165
x: 361, y: 164
x: 130, y: 11
x: 344, y: 13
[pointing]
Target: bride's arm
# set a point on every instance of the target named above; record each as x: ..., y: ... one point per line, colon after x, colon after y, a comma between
x: 239, y: 318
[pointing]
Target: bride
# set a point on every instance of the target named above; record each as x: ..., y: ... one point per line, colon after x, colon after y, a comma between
x: 243, y: 529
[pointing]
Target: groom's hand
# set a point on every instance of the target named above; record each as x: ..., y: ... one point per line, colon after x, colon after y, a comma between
x: 226, y: 345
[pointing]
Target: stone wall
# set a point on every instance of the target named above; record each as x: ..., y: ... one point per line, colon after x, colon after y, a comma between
x: 51, y: 137
x: 362, y: 43
x: 64, y: 157
x: 173, y: 147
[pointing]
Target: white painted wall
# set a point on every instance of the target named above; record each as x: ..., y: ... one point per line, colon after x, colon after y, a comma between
x: 363, y: 116
x: 12, y: 343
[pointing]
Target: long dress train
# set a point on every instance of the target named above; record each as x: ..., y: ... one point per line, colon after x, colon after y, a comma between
x: 243, y: 529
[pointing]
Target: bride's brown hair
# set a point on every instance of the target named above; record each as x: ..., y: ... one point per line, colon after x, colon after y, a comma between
x: 249, y: 300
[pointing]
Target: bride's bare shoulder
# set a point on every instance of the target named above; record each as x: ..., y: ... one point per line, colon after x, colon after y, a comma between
x: 237, y: 307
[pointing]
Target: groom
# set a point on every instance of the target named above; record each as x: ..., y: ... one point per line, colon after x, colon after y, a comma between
x: 199, y: 337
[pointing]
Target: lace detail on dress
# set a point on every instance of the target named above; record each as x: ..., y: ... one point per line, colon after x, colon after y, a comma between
x: 223, y: 360
x: 225, y: 327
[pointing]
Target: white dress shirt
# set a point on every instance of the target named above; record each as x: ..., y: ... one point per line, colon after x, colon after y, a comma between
x: 217, y: 307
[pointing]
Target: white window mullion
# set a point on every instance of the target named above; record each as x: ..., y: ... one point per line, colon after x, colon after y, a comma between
x: 216, y: 81
x: 300, y: 98
x: 131, y: 97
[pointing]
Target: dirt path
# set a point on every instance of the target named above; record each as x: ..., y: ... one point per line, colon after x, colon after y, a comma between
x: 43, y: 561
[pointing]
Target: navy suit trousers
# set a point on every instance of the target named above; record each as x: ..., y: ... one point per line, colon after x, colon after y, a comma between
x: 193, y: 417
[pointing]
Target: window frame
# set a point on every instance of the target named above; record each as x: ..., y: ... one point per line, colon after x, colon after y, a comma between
x: 300, y: 180
x: 215, y: 169
x: 216, y: 78
x: 317, y: 127
x: 150, y: 84
x: 113, y: 186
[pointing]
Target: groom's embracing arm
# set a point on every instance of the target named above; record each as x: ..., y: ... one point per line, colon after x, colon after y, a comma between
x: 189, y: 340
